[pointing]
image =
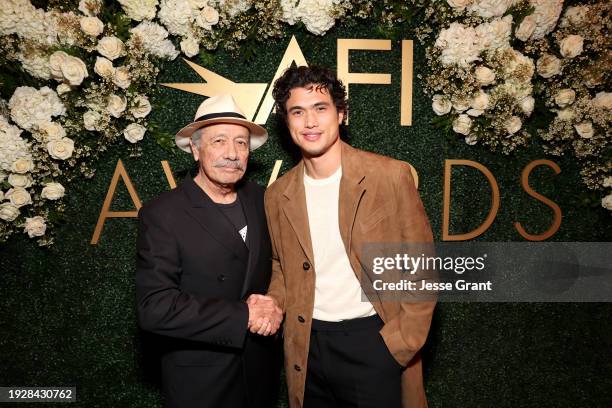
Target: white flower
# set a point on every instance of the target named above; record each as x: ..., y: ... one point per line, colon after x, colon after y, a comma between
x: 198, y: 4
x: 526, y: 28
x: 441, y: 105
x: 490, y: 8
x: 459, y: 44
x: 602, y: 100
x: 513, y: 125
x: 471, y: 140
x: 190, y: 47
x: 547, y: 13
x: 90, y: 7
x: 154, y: 40
x: 18, y: 196
x: 317, y: 15
x: 111, y: 47
x: 55, y: 63
x: 35, y: 226
x: 177, y: 16
x: 35, y: 62
x: 29, y: 106
x: 52, y: 191
x: 575, y: 16
x: 139, y: 9
x: 566, y: 114
x: 565, y: 97
x: 585, y: 130
x: 73, y: 70
x: 207, y: 17
x: 52, y: 130
x: 104, y: 67
x: 20, y: 180
x: 485, y: 76
x: 91, y: 26
x: 122, y: 77
x: 22, y: 165
x: 141, y: 106
x: 460, y: 104
x: 548, y: 66
x: 607, y: 181
x: 480, y: 101
x: 495, y: 34
x: 8, y: 212
x: 91, y: 119
x: 116, y: 105
x: 134, y: 132
x: 571, y: 46
x: 526, y: 104
x: 606, y: 202
x: 60, y: 149
x: 459, y: 4
x: 15, y: 154
x: 63, y: 88
x: 462, y: 124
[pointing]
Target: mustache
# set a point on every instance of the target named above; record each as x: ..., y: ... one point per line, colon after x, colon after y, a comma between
x: 234, y: 164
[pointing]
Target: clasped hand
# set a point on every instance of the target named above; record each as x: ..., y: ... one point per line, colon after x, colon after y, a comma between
x: 265, y: 316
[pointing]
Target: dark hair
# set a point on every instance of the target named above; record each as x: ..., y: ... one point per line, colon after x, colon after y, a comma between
x: 306, y: 77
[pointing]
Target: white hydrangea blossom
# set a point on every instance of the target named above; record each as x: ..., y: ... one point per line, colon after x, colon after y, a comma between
x: 12, y: 146
x: 176, y: 16
x: 315, y: 14
x: 29, y: 106
x: 36, y: 63
x: 22, y: 18
x: 459, y: 44
x: 495, y: 34
x: 546, y: 13
x: 154, y: 39
x: 139, y: 9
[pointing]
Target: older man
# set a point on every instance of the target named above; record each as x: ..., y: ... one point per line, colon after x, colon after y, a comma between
x: 341, y: 350
x: 203, y: 248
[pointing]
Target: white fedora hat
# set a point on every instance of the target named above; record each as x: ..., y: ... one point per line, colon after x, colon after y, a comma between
x: 220, y: 109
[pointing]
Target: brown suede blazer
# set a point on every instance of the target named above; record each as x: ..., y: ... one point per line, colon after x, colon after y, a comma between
x: 378, y: 203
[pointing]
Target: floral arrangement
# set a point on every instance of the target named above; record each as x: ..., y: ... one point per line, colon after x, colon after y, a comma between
x: 76, y: 76
x: 84, y: 74
x: 504, y: 71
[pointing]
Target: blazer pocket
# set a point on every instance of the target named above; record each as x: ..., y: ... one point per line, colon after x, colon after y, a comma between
x: 376, y: 216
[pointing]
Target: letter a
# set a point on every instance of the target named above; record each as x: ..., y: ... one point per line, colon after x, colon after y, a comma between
x: 106, y: 212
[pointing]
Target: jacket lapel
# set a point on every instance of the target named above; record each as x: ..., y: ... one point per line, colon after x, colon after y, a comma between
x: 295, y: 209
x: 351, y: 191
x: 253, y: 236
x: 209, y: 216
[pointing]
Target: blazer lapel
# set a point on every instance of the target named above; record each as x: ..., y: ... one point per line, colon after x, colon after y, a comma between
x: 296, y: 212
x: 210, y: 218
x: 253, y: 236
x: 351, y: 191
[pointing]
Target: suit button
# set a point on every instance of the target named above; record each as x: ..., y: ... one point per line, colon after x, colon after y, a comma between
x: 297, y: 368
x: 306, y: 265
x: 301, y: 319
x: 221, y: 278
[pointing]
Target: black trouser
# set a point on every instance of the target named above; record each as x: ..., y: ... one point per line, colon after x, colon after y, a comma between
x: 349, y: 365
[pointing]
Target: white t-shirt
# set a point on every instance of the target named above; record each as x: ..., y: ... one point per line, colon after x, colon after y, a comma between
x: 338, y: 294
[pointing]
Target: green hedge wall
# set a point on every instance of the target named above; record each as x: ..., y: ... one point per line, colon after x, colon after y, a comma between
x: 67, y: 313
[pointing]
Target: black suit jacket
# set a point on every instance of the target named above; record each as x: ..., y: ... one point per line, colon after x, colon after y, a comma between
x: 193, y: 274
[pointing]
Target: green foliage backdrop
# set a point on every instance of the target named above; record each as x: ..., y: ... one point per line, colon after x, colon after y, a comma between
x: 67, y: 312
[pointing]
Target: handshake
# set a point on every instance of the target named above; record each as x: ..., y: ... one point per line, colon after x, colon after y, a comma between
x: 265, y: 316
